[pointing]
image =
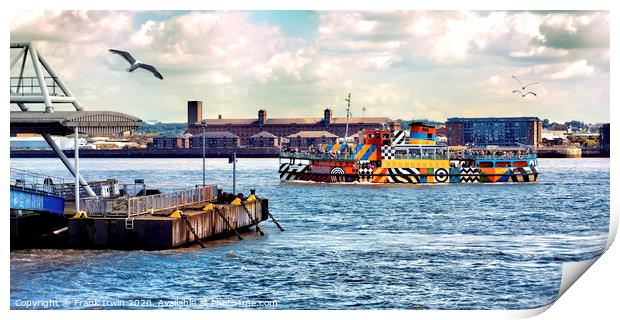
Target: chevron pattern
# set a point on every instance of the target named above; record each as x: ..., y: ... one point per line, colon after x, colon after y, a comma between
x: 469, y: 175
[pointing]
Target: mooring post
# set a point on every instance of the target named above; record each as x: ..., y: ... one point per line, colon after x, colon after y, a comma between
x: 233, y: 160
x: 76, y: 156
x: 204, y: 150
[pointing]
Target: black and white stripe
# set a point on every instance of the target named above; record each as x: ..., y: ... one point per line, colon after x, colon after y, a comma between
x: 290, y: 171
x: 400, y: 137
x: 403, y: 175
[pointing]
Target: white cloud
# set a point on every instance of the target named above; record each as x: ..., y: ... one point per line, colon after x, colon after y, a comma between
x: 218, y: 78
x: 572, y: 70
x: 430, y: 64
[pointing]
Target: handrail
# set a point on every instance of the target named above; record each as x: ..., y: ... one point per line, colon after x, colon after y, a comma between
x: 430, y: 156
x: 134, y: 206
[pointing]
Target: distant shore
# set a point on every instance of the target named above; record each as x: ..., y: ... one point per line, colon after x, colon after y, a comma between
x: 189, y: 153
x: 151, y: 153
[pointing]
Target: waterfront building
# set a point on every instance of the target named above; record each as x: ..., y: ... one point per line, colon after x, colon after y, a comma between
x: 305, y: 139
x: 509, y: 131
x: 170, y: 142
x: 282, y: 127
x: 221, y: 139
x: 263, y: 139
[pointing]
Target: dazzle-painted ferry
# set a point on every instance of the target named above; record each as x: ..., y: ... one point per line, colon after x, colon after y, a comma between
x: 398, y: 156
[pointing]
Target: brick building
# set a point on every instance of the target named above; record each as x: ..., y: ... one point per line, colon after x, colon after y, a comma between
x: 170, y: 142
x: 222, y: 139
x: 494, y: 131
x: 304, y: 139
x: 263, y: 139
x: 282, y: 127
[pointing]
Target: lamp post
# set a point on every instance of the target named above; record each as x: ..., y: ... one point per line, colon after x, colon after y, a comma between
x: 233, y: 159
x: 204, y: 151
x: 76, y: 158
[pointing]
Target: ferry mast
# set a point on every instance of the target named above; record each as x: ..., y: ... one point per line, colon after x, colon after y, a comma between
x: 346, y: 128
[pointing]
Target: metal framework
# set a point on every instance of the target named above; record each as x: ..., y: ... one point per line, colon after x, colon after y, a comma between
x: 47, y: 88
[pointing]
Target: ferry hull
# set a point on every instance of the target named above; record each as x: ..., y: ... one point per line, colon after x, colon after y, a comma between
x: 304, y: 172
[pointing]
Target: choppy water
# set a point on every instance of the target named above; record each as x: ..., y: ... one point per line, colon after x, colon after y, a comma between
x: 345, y: 247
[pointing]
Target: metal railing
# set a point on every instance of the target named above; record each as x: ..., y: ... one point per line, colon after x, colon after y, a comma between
x: 31, y: 181
x: 29, y: 86
x: 134, y: 206
x: 499, y: 156
x: 426, y: 156
x: 317, y: 156
x: 103, y: 188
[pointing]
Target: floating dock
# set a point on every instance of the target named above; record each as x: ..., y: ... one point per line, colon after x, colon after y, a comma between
x: 163, y: 221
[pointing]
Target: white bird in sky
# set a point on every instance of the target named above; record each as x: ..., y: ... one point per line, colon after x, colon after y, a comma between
x: 521, y: 83
x: 522, y: 91
x: 137, y: 64
x: 524, y: 94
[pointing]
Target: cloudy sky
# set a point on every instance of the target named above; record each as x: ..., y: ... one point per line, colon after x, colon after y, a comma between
x: 414, y: 64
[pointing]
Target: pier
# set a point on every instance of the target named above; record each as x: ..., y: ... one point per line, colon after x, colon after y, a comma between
x: 162, y: 221
x: 101, y: 214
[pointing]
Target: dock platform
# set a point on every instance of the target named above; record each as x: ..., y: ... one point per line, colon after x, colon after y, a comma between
x: 156, y: 232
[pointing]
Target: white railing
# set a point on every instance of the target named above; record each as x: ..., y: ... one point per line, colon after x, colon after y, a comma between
x: 133, y: 206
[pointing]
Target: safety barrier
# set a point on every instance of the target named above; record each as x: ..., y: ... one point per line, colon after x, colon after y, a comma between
x: 134, y: 206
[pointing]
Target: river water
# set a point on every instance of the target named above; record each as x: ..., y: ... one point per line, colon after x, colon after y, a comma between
x: 345, y: 246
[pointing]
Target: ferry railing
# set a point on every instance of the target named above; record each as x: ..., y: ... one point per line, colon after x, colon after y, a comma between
x: 317, y: 156
x: 429, y: 156
x: 135, y: 206
x: 499, y: 156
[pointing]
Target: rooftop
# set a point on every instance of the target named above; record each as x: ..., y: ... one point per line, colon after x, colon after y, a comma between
x: 64, y: 122
x: 217, y: 134
x: 492, y: 119
x: 263, y: 134
x: 313, y: 134
x: 288, y: 121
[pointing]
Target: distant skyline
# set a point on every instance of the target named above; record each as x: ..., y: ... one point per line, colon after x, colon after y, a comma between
x: 411, y: 64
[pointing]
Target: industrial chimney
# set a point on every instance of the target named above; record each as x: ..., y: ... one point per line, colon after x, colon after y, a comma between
x: 327, y: 117
x: 194, y: 113
x: 262, y: 117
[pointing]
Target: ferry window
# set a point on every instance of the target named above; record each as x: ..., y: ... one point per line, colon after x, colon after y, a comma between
x: 485, y: 164
x: 502, y: 164
x: 519, y: 164
x: 386, y: 136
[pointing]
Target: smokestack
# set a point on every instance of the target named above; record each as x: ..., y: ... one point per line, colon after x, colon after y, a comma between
x: 262, y: 117
x: 327, y: 117
x: 194, y: 113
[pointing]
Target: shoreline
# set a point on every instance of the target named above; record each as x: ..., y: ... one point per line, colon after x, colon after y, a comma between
x: 220, y: 153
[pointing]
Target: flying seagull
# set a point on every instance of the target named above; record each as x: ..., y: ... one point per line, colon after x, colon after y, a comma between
x: 137, y: 64
x: 524, y: 94
x: 521, y: 83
